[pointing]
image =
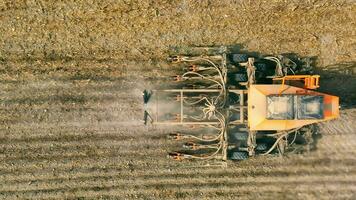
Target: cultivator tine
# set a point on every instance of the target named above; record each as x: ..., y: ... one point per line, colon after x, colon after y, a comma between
x: 175, y: 59
x: 197, y: 68
x: 193, y: 68
x: 208, y: 137
x: 176, y: 136
x: 178, y: 156
x: 195, y: 146
x: 191, y: 146
x: 180, y: 136
x: 177, y: 78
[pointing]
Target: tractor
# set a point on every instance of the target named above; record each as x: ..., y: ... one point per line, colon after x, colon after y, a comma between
x: 235, y: 105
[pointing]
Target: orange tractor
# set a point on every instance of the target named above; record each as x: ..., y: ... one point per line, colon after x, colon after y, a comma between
x: 233, y: 106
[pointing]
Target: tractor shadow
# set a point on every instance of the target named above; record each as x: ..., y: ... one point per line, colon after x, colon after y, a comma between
x: 339, y: 80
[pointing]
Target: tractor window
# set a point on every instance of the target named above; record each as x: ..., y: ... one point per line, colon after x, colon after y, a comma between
x: 280, y: 107
x: 310, y: 107
x: 289, y: 107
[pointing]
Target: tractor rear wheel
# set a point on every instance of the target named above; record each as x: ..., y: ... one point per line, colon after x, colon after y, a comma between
x: 261, y: 147
x: 239, y: 155
x: 239, y: 136
x: 240, y: 77
x: 239, y: 58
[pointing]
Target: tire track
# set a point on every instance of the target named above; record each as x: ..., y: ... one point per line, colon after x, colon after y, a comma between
x: 142, y: 178
x: 300, y: 186
x: 345, y: 124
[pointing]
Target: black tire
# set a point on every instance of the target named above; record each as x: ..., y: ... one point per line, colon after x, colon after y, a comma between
x: 239, y: 155
x: 240, y: 77
x: 238, y: 136
x: 238, y: 58
x: 261, y: 67
x: 261, y: 147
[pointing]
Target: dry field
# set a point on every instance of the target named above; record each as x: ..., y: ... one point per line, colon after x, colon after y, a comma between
x: 71, y: 76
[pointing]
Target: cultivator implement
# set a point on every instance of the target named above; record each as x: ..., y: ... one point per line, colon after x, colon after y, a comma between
x: 235, y: 106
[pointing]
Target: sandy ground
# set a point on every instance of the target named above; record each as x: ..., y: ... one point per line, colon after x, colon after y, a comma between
x: 71, y: 78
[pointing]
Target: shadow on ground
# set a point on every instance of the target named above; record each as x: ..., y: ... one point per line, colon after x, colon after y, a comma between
x: 340, y: 80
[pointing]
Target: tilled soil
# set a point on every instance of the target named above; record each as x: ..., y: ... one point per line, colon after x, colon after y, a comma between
x: 69, y: 139
x: 71, y: 78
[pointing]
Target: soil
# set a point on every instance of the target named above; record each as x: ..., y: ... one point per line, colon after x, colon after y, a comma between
x: 71, y: 78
